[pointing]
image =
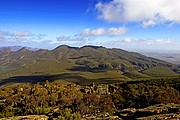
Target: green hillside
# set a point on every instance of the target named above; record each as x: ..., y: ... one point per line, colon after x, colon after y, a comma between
x: 159, y: 72
x: 80, y: 65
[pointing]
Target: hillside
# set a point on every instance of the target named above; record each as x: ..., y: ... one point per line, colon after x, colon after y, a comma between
x: 134, y: 100
x: 5, y: 51
x: 80, y: 65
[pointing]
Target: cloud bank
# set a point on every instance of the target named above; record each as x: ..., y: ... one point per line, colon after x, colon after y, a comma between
x: 148, y: 41
x: 70, y: 39
x: 23, y: 38
x: 146, y: 12
x: 104, y: 32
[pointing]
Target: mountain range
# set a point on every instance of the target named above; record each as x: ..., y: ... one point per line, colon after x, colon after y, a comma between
x: 79, y: 64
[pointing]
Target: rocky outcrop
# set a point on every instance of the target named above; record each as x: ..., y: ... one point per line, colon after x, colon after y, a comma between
x: 172, y: 116
x: 159, y: 111
x: 169, y: 111
x: 29, y: 117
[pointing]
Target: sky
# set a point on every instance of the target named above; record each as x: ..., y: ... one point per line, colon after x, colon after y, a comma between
x: 134, y: 25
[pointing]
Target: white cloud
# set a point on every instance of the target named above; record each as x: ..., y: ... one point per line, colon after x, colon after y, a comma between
x: 148, y: 41
x: 71, y: 40
x: 63, y: 38
x: 68, y: 38
x: 127, y: 40
x: 148, y: 23
x: 147, y: 12
x: 24, y: 38
x: 3, y: 33
x: 93, y: 32
x: 161, y: 41
x: 104, y: 32
x: 21, y: 34
x: 142, y: 44
x: 139, y: 42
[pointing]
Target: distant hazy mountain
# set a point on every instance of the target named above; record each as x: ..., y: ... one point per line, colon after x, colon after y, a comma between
x: 5, y: 51
x: 16, y: 48
x: 13, y: 48
x: 88, y: 62
x: 170, y: 57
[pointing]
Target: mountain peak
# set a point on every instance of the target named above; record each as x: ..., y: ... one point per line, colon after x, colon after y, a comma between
x: 91, y: 46
x: 64, y: 47
x: 24, y: 49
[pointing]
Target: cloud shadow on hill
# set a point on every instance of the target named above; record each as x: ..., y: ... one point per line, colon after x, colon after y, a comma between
x: 69, y: 77
x: 87, y: 69
x: 41, y: 78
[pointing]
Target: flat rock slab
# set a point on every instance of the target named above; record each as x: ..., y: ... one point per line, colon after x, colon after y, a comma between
x: 29, y: 117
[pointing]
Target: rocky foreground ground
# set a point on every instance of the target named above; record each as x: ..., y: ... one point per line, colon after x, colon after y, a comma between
x: 159, y: 111
x: 169, y: 111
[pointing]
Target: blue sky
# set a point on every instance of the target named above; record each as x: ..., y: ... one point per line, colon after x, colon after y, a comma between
x: 135, y: 25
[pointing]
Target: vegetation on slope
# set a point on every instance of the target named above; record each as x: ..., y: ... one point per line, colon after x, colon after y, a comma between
x: 159, y: 72
x: 81, y: 64
x: 74, y: 101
